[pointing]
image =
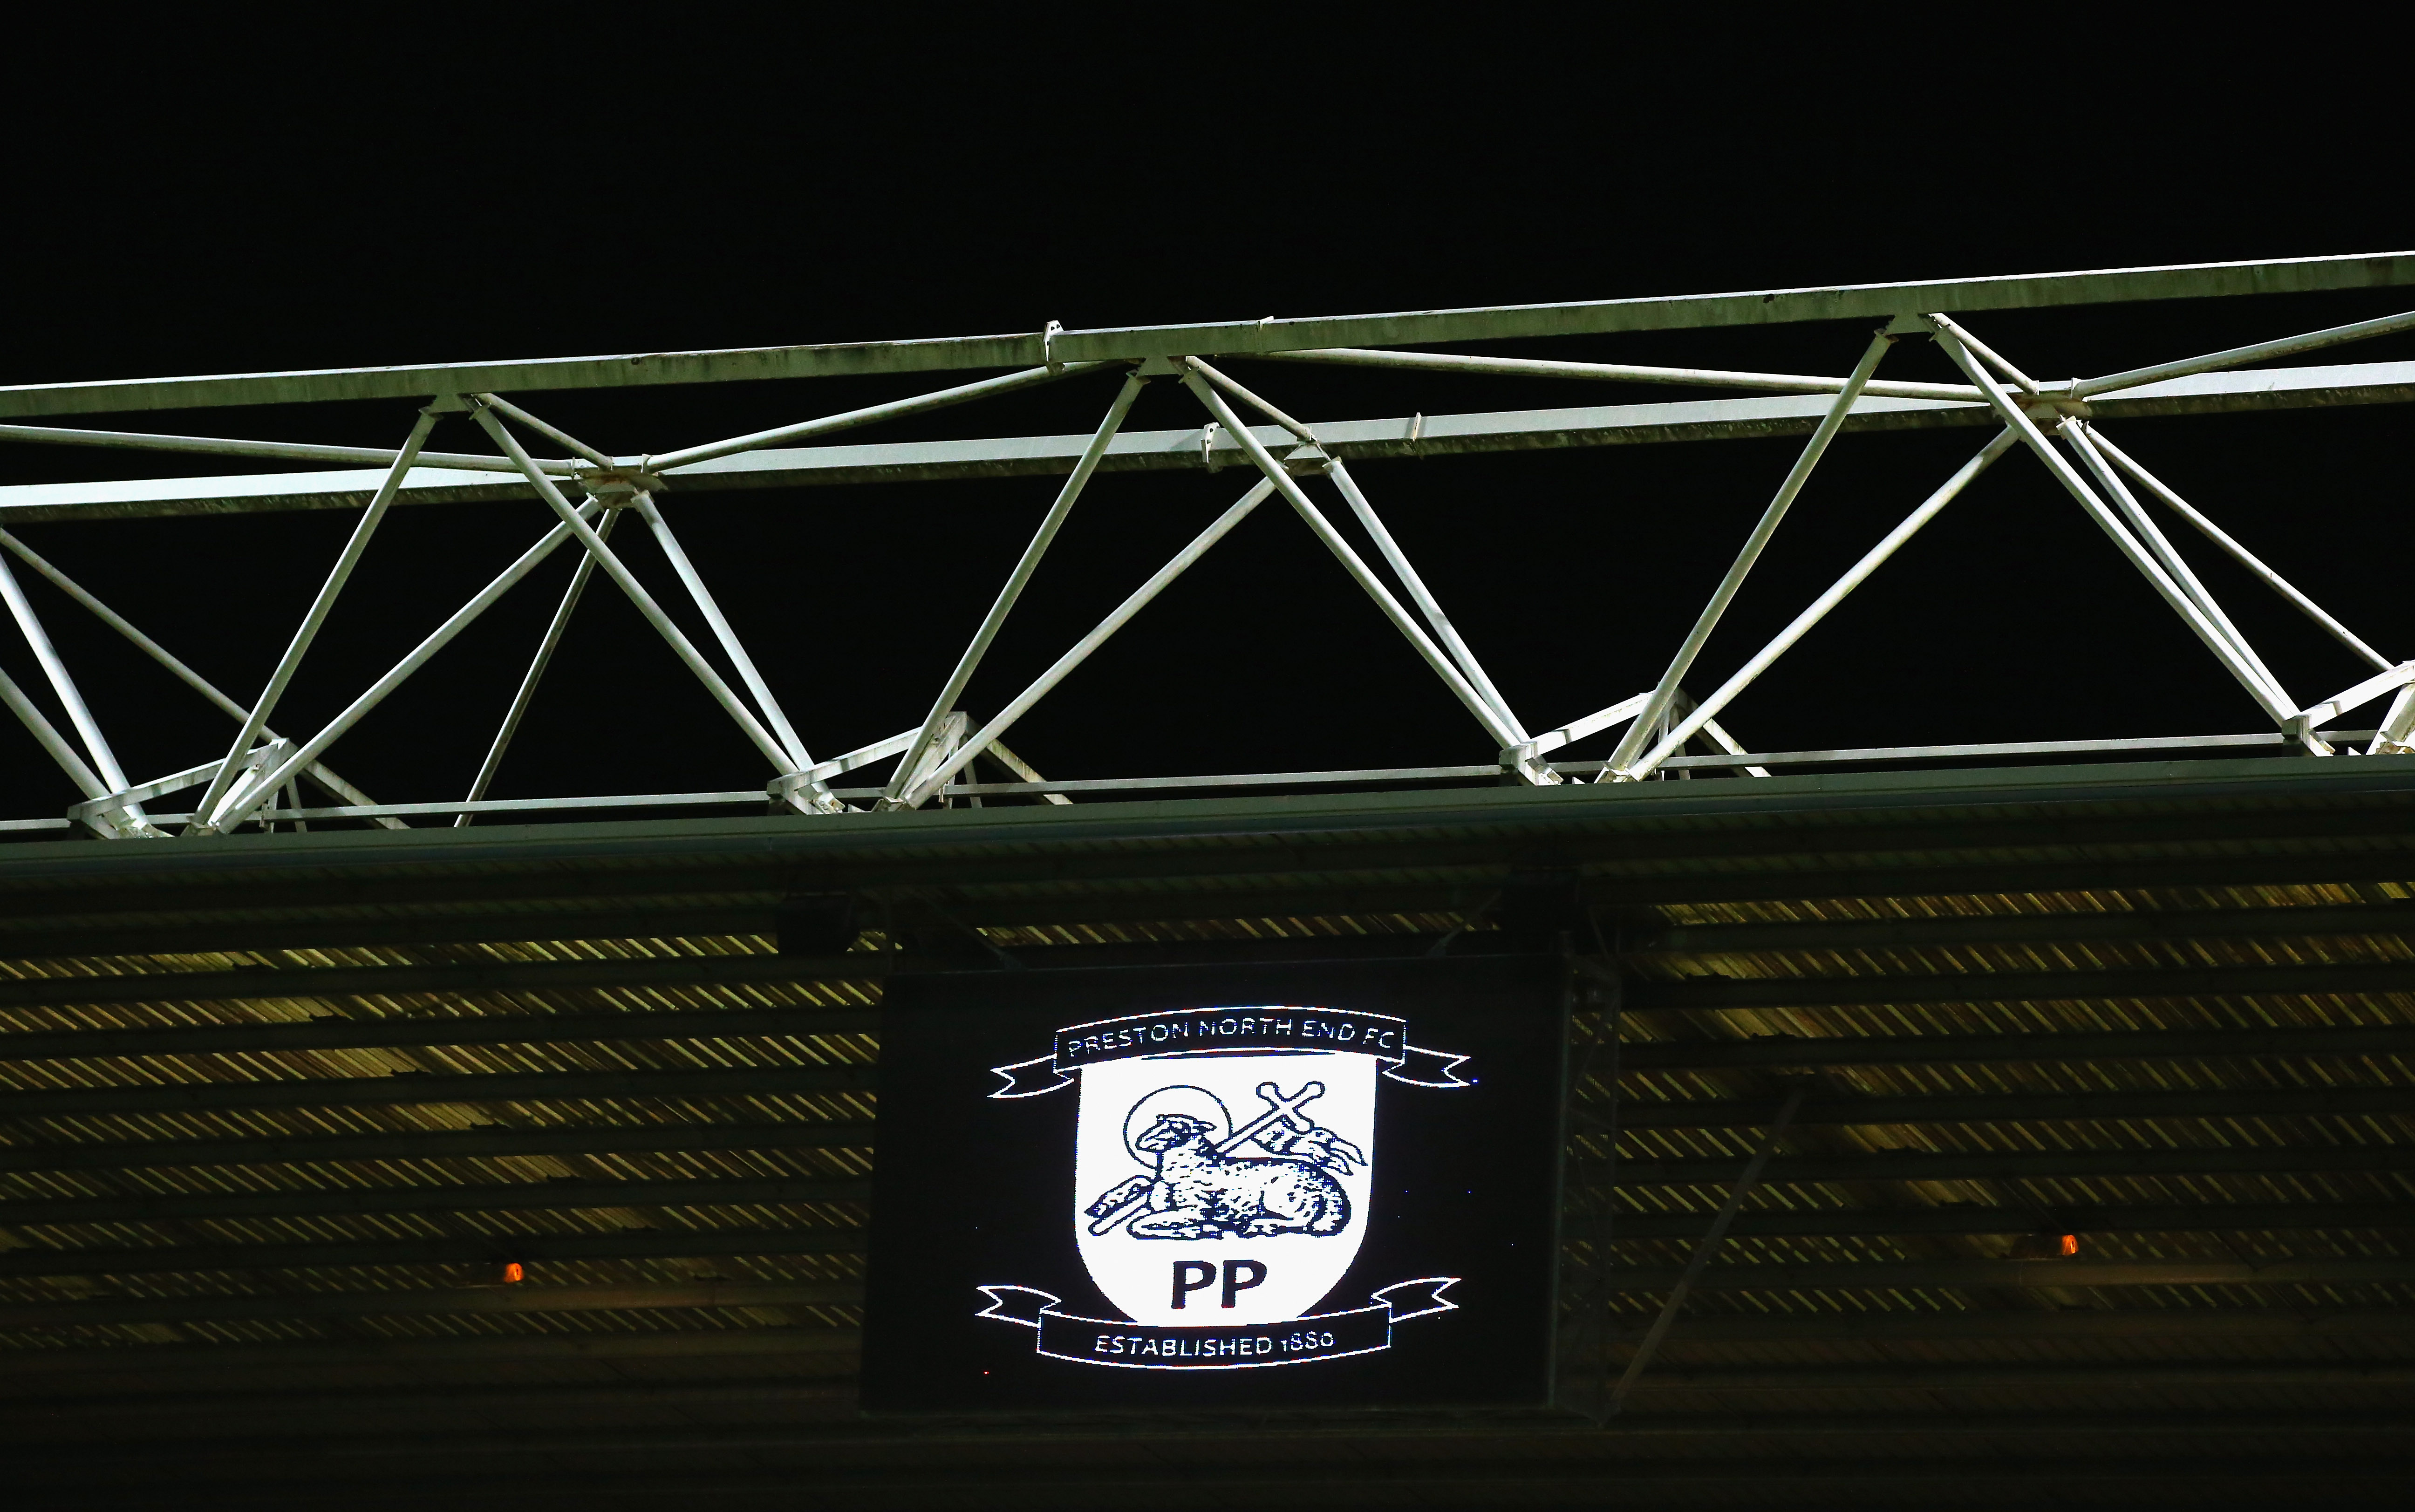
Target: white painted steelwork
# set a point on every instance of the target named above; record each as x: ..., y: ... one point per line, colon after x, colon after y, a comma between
x: 254, y: 786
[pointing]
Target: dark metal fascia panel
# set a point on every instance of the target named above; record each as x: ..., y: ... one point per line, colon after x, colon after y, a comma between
x: 1514, y: 816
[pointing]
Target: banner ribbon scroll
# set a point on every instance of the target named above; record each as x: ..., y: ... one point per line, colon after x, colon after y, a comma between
x: 1273, y: 1028
x: 1322, y: 1336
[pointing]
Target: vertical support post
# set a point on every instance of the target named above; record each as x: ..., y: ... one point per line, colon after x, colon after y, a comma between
x: 912, y: 762
x: 309, y: 630
x: 1632, y: 744
x: 521, y: 700
x: 1703, y: 1250
x: 1585, y: 1332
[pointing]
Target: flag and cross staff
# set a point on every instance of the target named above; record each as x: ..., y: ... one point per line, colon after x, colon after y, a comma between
x: 1133, y: 1194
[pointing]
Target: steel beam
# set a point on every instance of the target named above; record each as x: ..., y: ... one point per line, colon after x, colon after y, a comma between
x: 164, y: 1360
x: 47, y: 735
x: 277, y: 451
x: 1976, y: 831
x: 453, y: 1299
x: 895, y: 410
x: 1355, y: 440
x: 2223, y: 1105
x: 2235, y: 1158
x: 332, y: 1032
x: 406, y: 1087
x: 1384, y: 544
x: 484, y: 1197
x: 563, y: 1195
x: 2240, y: 356
x: 1950, y: 1275
x: 526, y: 692
x: 1497, y: 723
x: 1775, y: 1050
x: 2092, y: 1376
x: 2238, y: 552
x: 256, y: 721
x: 1644, y: 727
x: 2230, y: 1159
x: 574, y: 518
x: 317, y: 771
x: 911, y: 766
x: 750, y: 1466
x: 1230, y: 885
x: 2234, y: 660
x: 1605, y: 372
x: 1631, y: 760
x: 1706, y: 1244
x: 441, y: 1145
x: 824, y: 1388
x: 1911, y: 1325
x: 1420, y: 328
x: 2319, y: 920
x: 238, y: 807
x: 929, y: 784
x: 629, y: 1244
x: 2081, y: 1325
x: 1846, y: 1222
x: 103, y: 760
x: 1700, y: 993
x: 2082, y: 441
x: 1250, y: 1477
x: 723, y: 631
x: 324, y: 1032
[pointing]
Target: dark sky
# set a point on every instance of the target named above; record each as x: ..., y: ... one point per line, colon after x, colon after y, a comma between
x: 448, y: 189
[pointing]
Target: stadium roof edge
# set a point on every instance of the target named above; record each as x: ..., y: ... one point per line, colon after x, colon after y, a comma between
x: 773, y: 840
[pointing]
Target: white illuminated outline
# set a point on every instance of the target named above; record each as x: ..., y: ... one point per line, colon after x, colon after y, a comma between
x: 1119, y: 1047
x: 1447, y: 1070
x: 997, y: 1295
x: 1007, y: 1072
x: 1230, y: 1091
x: 1390, y: 1046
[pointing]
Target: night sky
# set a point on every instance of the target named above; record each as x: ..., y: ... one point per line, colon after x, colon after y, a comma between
x: 465, y: 192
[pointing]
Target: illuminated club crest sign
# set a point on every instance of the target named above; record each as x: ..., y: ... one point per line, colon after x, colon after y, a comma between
x: 1221, y: 1183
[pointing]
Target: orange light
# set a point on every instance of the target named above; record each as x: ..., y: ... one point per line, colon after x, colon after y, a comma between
x: 2070, y: 1247
x: 514, y: 1272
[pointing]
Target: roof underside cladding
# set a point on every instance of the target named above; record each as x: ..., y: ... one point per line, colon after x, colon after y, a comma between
x: 276, y: 1111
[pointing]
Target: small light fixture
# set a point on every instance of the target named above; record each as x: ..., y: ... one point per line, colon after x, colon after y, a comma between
x: 512, y: 1273
x: 2045, y: 1247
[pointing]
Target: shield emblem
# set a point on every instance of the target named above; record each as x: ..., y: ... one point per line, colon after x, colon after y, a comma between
x: 1224, y: 1187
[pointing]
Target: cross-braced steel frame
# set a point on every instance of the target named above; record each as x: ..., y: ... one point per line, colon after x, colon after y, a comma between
x: 257, y: 780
